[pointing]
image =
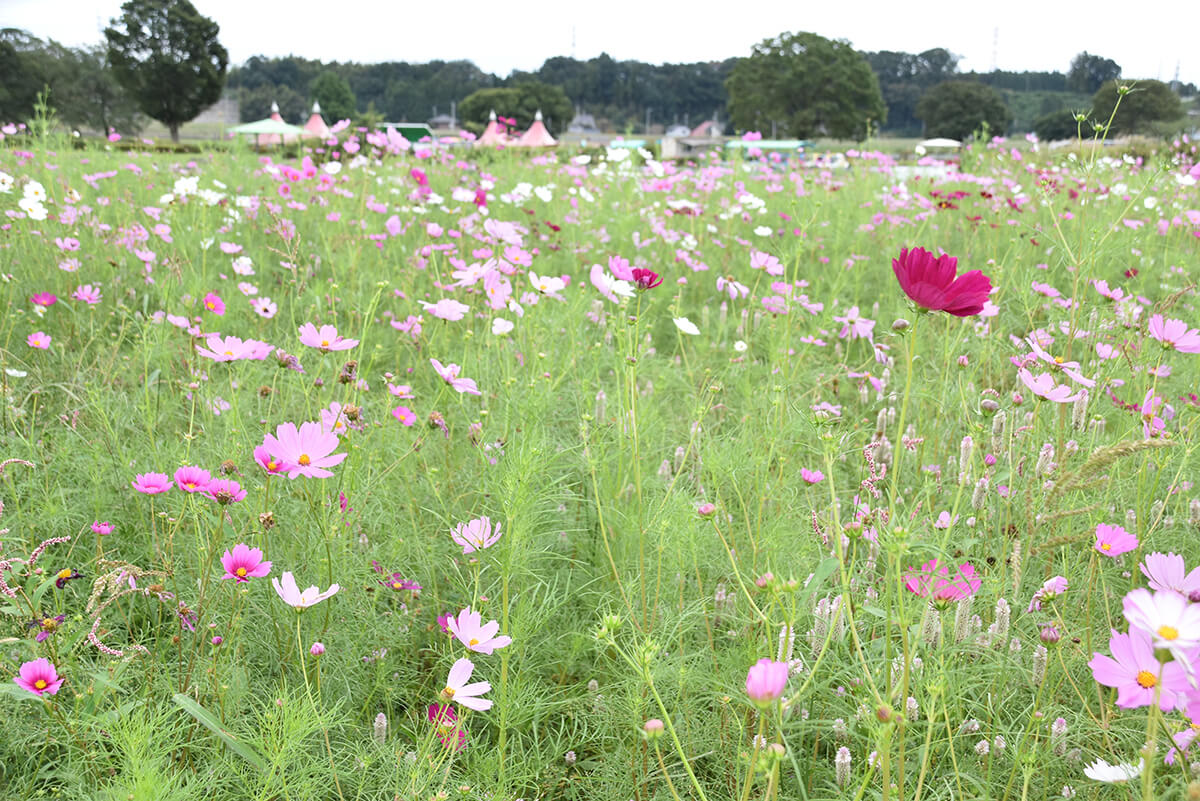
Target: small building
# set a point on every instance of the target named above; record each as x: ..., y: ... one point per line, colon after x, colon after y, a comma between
x: 582, y: 124
x: 443, y: 121
x: 678, y: 130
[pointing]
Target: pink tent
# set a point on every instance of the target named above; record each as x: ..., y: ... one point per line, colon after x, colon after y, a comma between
x: 492, y: 134
x: 274, y: 139
x: 316, y: 124
x: 537, y: 135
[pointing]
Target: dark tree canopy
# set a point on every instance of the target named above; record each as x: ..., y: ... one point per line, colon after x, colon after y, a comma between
x: 521, y: 102
x: 1146, y: 103
x: 166, y: 54
x: 1060, y: 125
x: 334, y: 94
x: 958, y: 108
x: 1088, y: 73
x: 904, y: 77
x: 808, y: 86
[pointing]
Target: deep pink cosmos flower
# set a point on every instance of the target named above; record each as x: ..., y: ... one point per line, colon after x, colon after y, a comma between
x: 151, y: 483
x: 325, y: 338
x: 765, y: 681
x: 307, y: 451
x: 102, y: 528
x: 934, y: 284
x: 935, y: 582
x: 267, y: 461
x: 449, y: 730
x: 39, y: 340
x: 449, y: 374
x: 1135, y: 671
x: 1114, y: 540
x: 39, y: 677
x: 192, y: 479
x: 214, y: 304
x: 811, y: 476
x: 225, y: 491
x: 460, y: 692
x: 1172, y: 334
x: 475, y: 535
x: 44, y: 299
x: 88, y: 294
x: 646, y: 279
x: 404, y: 415
x: 244, y: 563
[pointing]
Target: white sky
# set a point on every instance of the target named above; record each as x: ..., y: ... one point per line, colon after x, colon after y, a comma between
x: 1148, y: 39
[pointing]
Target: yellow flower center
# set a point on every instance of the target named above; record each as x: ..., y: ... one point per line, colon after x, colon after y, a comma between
x: 49, y: 624
x: 1146, y: 679
x: 272, y: 465
x: 1168, y: 632
x: 241, y: 571
x: 1058, y: 359
x: 448, y: 692
x: 64, y: 573
x: 40, y: 684
x: 473, y: 641
x: 304, y: 460
x: 228, y: 353
x: 1106, y: 546
x: 324, y: 343
x: 396, y: 585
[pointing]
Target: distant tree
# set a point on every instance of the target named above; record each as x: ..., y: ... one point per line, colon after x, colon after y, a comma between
x: 957, y: 109
x: 255, y: 104
x: 333, y: 92
x: 166, y: 54
x: 1088, y: 73
x: 1147, y: 102
x: 903, y: 77
x: 1060, y: 124
x: 808, y: 85
x: 520, y: 102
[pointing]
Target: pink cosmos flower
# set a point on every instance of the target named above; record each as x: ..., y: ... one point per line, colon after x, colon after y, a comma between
x: 935, y: 582
x: 292, y: 595
x: 1175, y: 334
x: 449, y: 374
x: 39, y: 677
x: 44, y: 299
x: 102, y: 527
x: 765, y: 261
x: 88, y: 294
x: 1043, y: 386
x: 645, y: 279
x: 469, y: 629
x: 325, y: 338
x: 151, y: 483
x: 1166, y: 572
x: 934, y: 284
x: 1051, y: 589
x: 232, y: 349
x: 854, y: 325
x: 268, y: 462
x: 39, y: 340
x: 264, y: 307
x: 765, y: 681
x: 1152, y: 424
x: 449, y: 730
x: 1114, y: 540
x: 214, y: 304
x: 244, y: 563
x: 192, y: 479
x: 404, y: 415
x: 447, y: 309
x: 811, y: 476
x: 225, y: 491
x: 334, y: 420
x: 307, y: 451
x: 1135, y: 672
x: 475, y: 535
x: 460, y: 692
x: 1171, y: 620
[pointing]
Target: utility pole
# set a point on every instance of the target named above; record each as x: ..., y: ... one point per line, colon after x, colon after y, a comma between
x: 647, y: 120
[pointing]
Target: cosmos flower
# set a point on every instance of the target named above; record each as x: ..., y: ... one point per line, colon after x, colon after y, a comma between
x: 449, y: 374
x: 151, y: 483
x: 306, y: 451
x: 213, y: 303
x: 1114, y: 540
x: 292, y: 595
x: 325, y: 338
x: 934, y: 581
x: 1101, y: 771
x: 1174, y: 334
x: 192, y: 479
x: 460, y: 692
x: 39, y: 340
x: 244, y: 563
x: 475, y: 535
x: 468, y: 628
x: 1136, y: 673
x: 765, y: 681
x: 1166, y: 571
x: 39, y: 677
x: 934, y: 283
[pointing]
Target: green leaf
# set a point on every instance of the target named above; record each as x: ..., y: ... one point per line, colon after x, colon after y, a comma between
x: 824, y: 570
x: 208, y: 721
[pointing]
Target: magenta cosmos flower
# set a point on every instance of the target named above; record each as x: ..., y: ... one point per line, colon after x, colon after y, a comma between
x: 325, y: 338
x: 935, y: 581
x: 460, y: 692
x: 306, y: 451
x: 449, y: 730
x: 1135, y: 672
x: 225, y: 491
x: 449, y: 374
x: 1167, y: 571
x: 151, y: 483
x: 192, y: 479
x: 293, y: 596
x: 244, y: 563
x: 765, y: 681
x: 475, y: 535
x: 404, y: 415
x: 1114, y: 540
x: 269, y: 462
x: 469, y: 629
x: 934, y: 284
x: 39, y: 677
x: 214, y: 304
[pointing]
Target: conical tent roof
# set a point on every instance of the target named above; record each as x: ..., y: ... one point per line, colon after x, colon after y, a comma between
x: 492, y: 134
x: 537, y: 135
x: 316, y: 124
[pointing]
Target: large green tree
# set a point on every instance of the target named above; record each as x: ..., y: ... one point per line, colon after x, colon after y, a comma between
x: 334, y: 94
x: 166, y: 54
x: 520, y: 102
x: 1145, y: 103
x: 808, y: 86
x: 1088, y: 73
x: 958, y: 108
x: 903, y: 77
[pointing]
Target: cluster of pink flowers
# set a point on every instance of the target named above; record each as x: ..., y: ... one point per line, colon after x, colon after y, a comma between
x: 190, y: 479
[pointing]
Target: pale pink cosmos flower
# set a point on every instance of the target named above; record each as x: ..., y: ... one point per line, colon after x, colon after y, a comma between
x: 39, y: 677
x: 232, y: 349
x: 1043, y: 386
x: 765, y: 681
x: 449, y: 374
x: 934, y: 581
x: 1051, y: 589
x: 1136, y: 673
x: 1175, y: 334
x: 334, y: 420
x: 39, y: 340
x: 447, y: 309
x: 293, y: 596
x: 854, y: 325
x: 1167, y: 571
x: 765, y: 261
x: 244, y: 563
x: 306, y: 451
x: 151, y: 483
x: 469, y: 629
x: 460, y: 692
x: 325, y: 338
x: 267, y: 461
x: 264, y: 307
x: 1171, y: 620
x: 1152, y: 424
x: 475, y: 535
x: 1114, y: 540
x: 87, y: 293
x: 1070, y: 368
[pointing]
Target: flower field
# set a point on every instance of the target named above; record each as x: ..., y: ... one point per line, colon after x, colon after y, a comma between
x: 391, y: 474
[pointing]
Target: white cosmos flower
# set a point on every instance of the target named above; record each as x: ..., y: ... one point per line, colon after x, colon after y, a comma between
x: 740, y: 346
x: 1101, y: 771
x: 547, y: 284
x: 500, y: 326
x: 762, y: 230
x: 686, y: 326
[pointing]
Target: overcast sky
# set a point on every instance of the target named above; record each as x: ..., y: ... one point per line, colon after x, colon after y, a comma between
x: 1150, y: 39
